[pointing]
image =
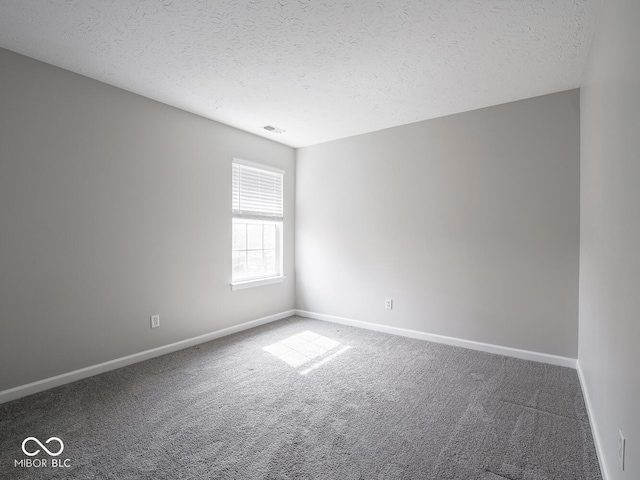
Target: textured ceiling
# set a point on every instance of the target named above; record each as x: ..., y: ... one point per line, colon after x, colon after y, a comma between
x: 319, y: 69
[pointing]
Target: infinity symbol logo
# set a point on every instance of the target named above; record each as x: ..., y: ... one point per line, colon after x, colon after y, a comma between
x: 34, y: 439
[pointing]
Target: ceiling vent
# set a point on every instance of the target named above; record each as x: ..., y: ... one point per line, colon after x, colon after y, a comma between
x: 273, y: 129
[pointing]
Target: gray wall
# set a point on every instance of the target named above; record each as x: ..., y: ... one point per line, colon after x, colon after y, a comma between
x: 114, y: 207
x: 469, y: 222
x: 609, y: 356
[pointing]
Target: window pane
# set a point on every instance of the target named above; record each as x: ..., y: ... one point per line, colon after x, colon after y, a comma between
x: 239, y: 239
x: 254, y: 237
x: 270, y: 237
x: 254, y: 263
x: 239, y: 264
x: 270, y: 261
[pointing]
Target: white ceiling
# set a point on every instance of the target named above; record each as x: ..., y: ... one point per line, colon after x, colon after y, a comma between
x: 319, y: 69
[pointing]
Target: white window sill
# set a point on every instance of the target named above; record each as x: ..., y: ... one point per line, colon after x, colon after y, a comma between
x: 256, y: 283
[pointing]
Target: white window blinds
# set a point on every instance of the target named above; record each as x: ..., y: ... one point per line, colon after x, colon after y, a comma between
x: 257, y: 191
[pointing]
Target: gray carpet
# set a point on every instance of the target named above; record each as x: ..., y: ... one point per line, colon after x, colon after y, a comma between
x: 308, y: 407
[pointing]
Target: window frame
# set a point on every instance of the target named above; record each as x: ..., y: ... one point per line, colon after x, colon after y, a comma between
x: 278, y: 222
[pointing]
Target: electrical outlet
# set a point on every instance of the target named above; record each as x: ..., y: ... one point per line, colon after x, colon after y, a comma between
x: 621, y: 446
x: 155, y: 321
x: 388, y: 304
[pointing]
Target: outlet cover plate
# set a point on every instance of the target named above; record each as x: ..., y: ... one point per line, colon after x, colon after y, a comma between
x: 621, y: 446
x: 155, y: 321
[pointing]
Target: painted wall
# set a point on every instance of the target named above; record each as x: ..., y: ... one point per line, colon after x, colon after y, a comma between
x: 609, y: 357
x: 114, y: 207
x: 470, y: 223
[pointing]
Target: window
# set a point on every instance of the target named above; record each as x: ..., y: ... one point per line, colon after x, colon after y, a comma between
x: 257, y: 224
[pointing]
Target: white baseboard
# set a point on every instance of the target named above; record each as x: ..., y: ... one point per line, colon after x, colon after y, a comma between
x: 458, y: 342
x: 47, y: 383
x: 592, y: 422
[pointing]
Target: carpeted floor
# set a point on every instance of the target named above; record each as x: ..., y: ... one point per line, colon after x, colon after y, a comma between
x: 305, y: 399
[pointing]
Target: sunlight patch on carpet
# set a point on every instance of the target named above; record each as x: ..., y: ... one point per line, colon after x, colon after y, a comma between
x: 300, y: 349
